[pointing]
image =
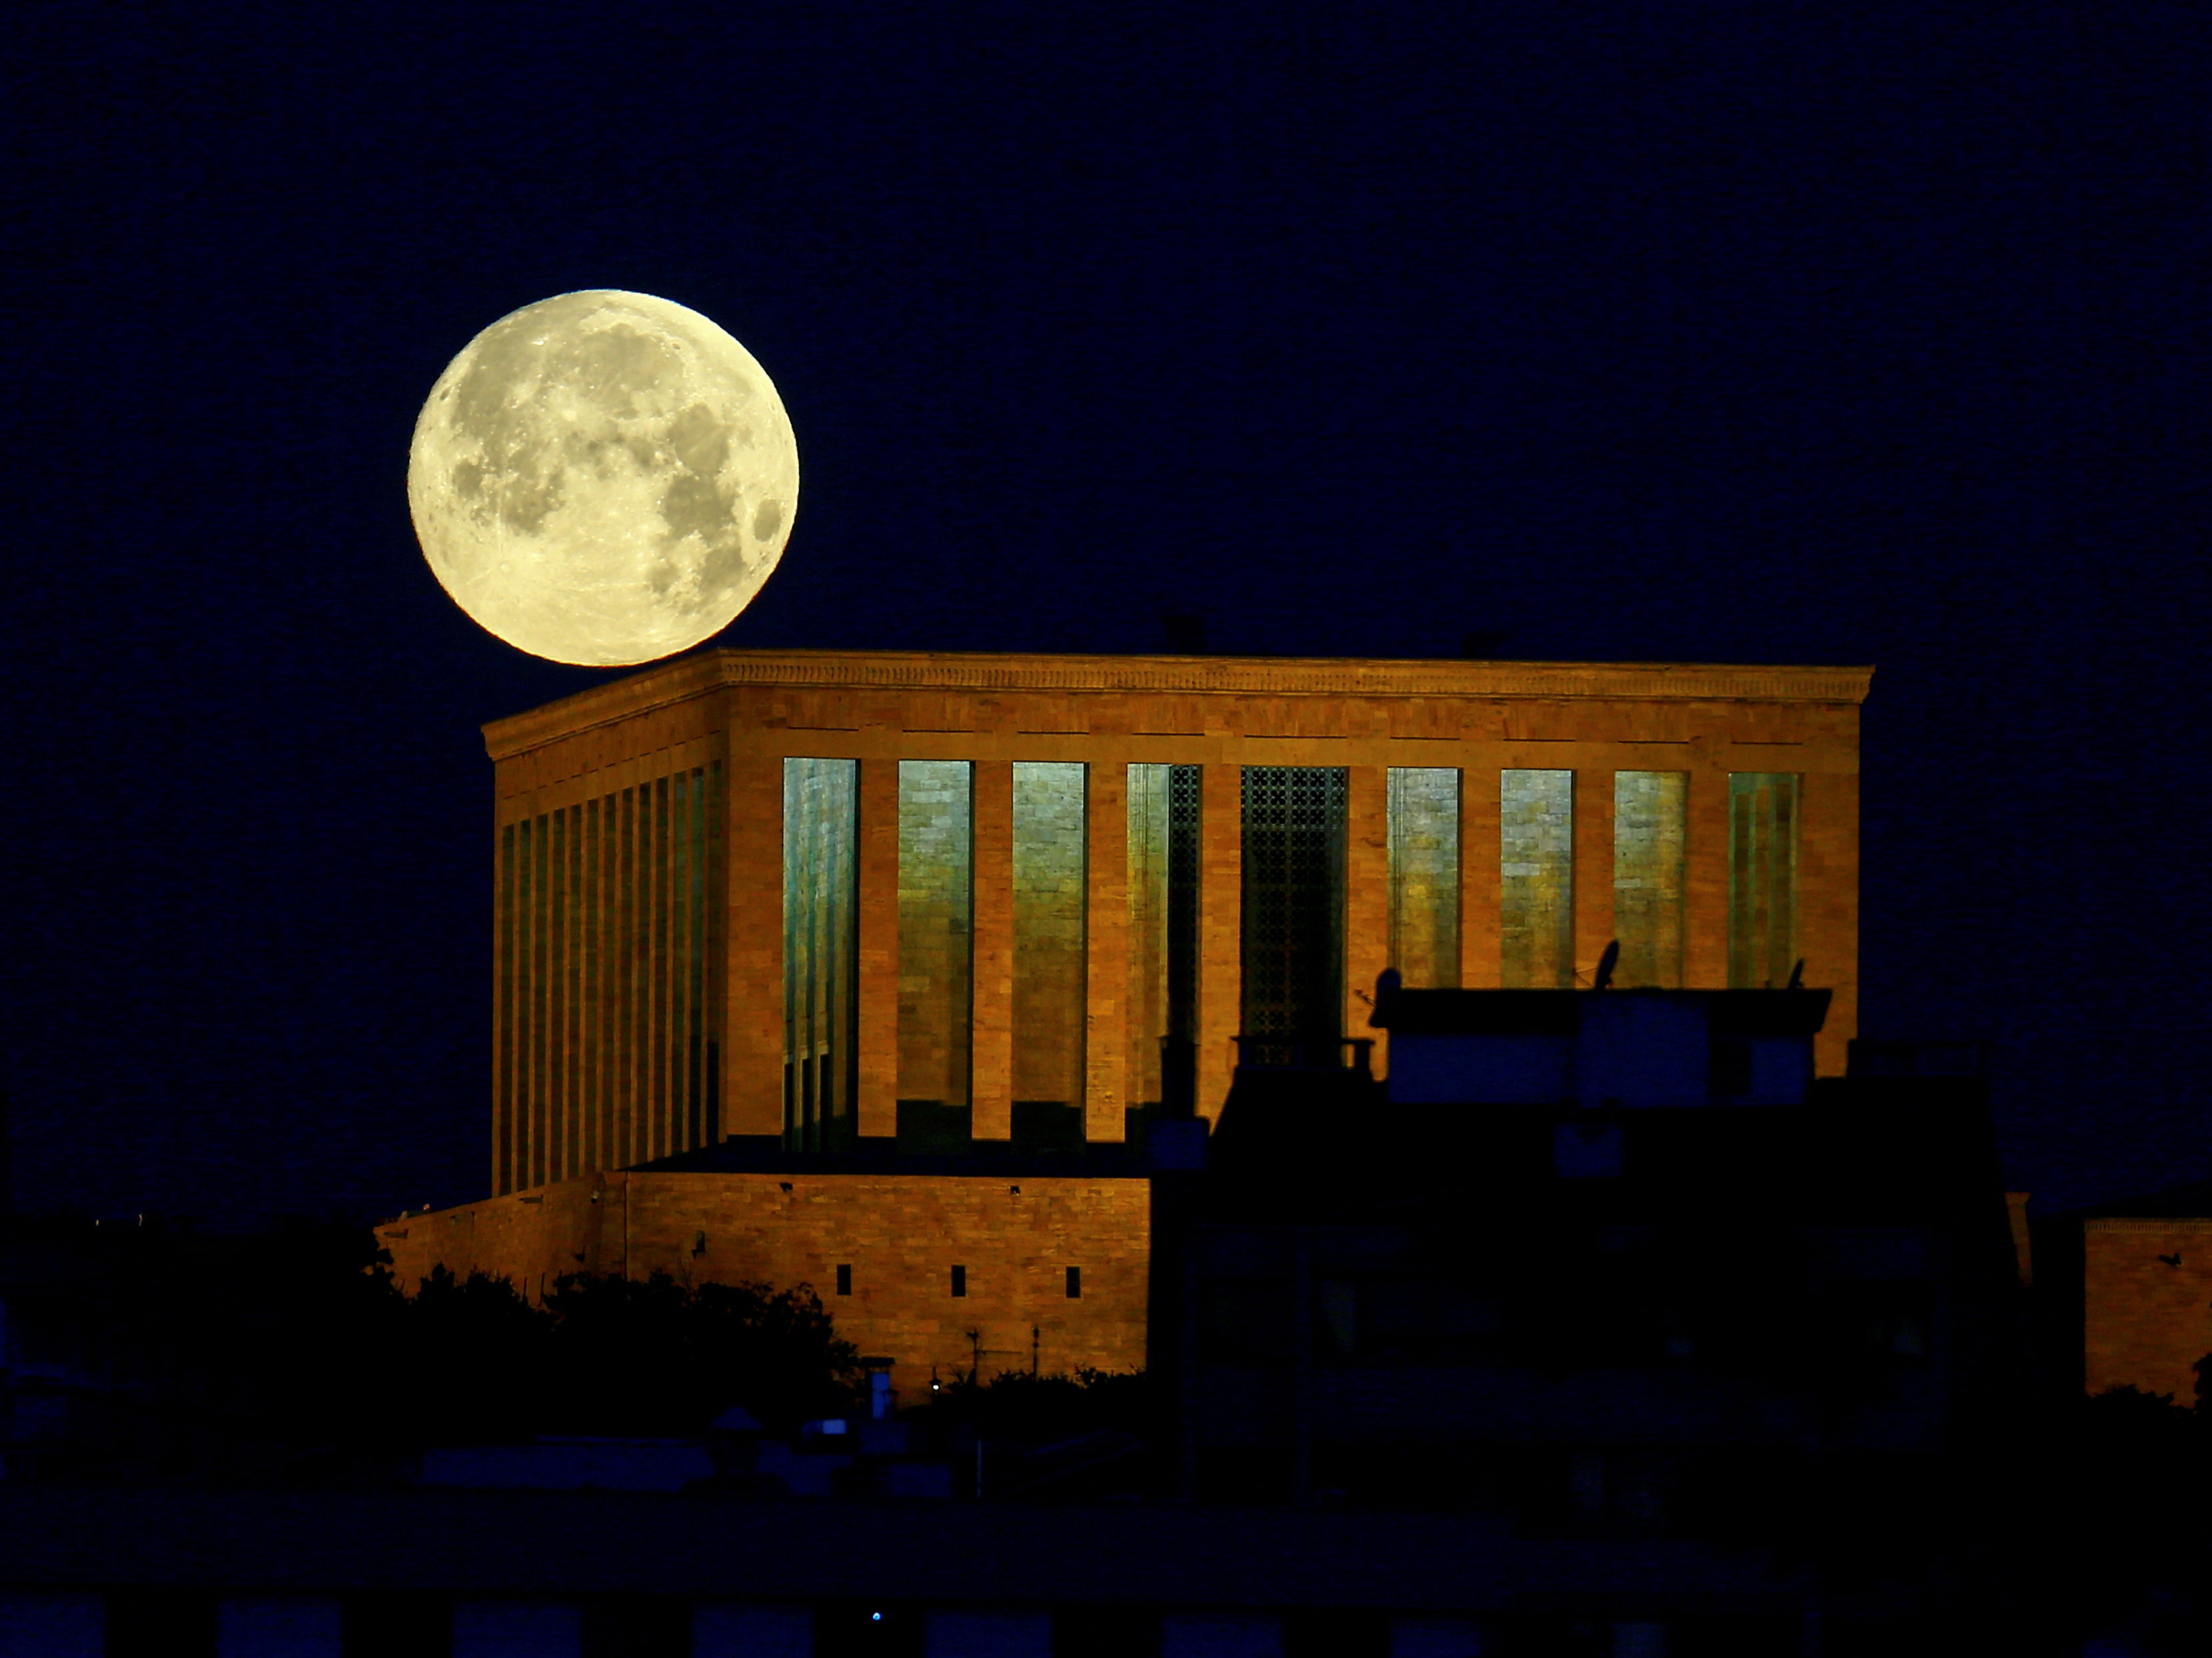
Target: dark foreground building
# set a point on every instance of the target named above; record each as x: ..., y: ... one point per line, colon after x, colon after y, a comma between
x: 1604, y: 1329
x: 1615, y: 1271
x: 802, y: 959
x: 2126, y: 1292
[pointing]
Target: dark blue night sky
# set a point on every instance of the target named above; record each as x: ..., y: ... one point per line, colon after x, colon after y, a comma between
x: 1725, y: 333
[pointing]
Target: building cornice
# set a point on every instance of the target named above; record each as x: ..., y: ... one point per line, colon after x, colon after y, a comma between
x: 2147, y: 1224
x: 692, y: 676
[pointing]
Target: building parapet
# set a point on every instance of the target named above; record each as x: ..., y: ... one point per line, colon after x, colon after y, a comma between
x: 693, y: 676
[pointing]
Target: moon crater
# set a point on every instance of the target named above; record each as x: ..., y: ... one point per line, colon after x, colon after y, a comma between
x: 602, y: 478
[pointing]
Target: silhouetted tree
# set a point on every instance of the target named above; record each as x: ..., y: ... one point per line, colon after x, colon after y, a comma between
x: 655, y: 1357
x: 291, y: 1355
x: 471, y: 1362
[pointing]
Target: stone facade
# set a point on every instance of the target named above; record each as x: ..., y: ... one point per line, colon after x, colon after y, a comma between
x: 1004, y: 844
x: 901, y: 1236
x: 605, y: 977
x: 744, y: 713
x: 2147, y: 1303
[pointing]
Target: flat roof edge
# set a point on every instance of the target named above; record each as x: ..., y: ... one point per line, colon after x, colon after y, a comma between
x: 685, y: 678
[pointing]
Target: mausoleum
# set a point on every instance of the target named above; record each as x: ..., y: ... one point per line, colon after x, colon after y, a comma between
x: 869, y: 924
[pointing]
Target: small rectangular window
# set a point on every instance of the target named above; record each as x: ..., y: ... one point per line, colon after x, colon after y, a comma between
x: 844, y: 1280
x: 960, y: 1280
x: 1074, y: 1282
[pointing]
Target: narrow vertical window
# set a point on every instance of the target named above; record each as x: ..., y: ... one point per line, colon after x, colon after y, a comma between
x: 844, y: 1279
x: 960, y: 1280
x: 613, y: 971
x: 656, y: 929
x: 1649, y: 813
x: 629, y: 1017
x: 1293, y: 908
x: 1163, y: 807
x: 1049, y: 979
x: 572, y: 985
x: 538, y: 1010
x: 1536, y: 885
x: 936, y: 960
x: 592, y: 1119
x: 1148, y: 928
x: 695, y: 973
x: 1179, y: 1048
x: 1424, y: 837
x: 1074, y: 1282
x: 1762, y: 879
x: 556, y: 1035
x: 710, y: 986
x: 680, y: 953
x: 508, y: 1003
x: 820, y: 951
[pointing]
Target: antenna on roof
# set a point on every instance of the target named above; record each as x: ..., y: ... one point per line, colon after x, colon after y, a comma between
x: 1606, y: 963
x: 1797, y: 975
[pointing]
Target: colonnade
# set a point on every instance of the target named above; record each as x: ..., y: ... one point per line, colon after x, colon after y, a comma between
x: 1712, y: 814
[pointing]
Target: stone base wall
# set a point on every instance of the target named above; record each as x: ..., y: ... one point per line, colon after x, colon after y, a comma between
x: 902, y: 1235
x: 2146, y: 1304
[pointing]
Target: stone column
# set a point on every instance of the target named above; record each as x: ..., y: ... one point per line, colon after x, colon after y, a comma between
x: 1366, y: 900
x: 991, y: 917
x: 1706, y: 871
x: 1828, y: 906
x: 1106, y: 898
x: 1478, y: 907
x: 1593, y: 870
x: 505, y: 1030
x: 1221, y: 930
x: 878, y: 909
x: 751, y: 1058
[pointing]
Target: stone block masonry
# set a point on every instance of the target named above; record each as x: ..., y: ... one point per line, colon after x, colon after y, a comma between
x: 640, y: 978
x: 901, y: 1234
x: 988, y: 901
x: 2147, y: 1304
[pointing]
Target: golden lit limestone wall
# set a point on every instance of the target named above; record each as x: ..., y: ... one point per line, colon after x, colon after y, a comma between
x: 1108, y: 1020
x: 1220, y: 928
x: 2147, y: 1304
x: 749, y: 711
x: 606, y: 968
x: 901, y: 1236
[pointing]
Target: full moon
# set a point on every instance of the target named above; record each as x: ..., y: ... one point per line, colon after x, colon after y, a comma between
x: 602, y: 478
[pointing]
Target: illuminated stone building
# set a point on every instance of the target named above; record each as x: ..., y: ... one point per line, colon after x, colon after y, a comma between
x: 768, y: 920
